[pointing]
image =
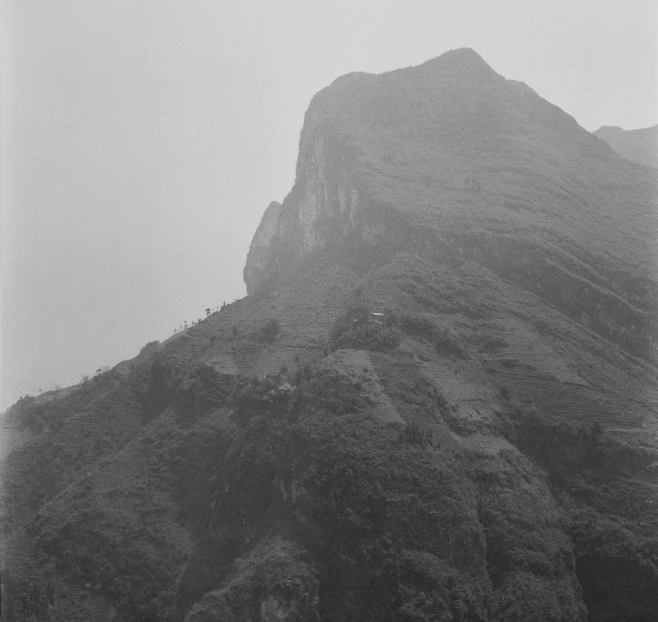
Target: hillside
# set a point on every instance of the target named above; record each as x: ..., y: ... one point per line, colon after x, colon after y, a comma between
x: 639, y: 146
x: 487, y: 449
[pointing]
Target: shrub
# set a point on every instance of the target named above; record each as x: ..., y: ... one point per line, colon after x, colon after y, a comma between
x: 263, y: 395
x: 204, y: 389
x: 150, y: 346
x: 356, y: 328
x: 447, y: 342
x: 418, y: 326
x: 415, y: 434
x: 269, y: 332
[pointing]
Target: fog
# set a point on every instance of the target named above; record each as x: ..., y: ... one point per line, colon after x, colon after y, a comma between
x: 141, y: 141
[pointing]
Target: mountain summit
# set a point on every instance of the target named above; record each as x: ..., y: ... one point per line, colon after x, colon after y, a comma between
x: 454, y: 162
x: 438, y: 400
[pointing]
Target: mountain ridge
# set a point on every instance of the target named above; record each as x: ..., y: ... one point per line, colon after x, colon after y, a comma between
x: 639, y: 146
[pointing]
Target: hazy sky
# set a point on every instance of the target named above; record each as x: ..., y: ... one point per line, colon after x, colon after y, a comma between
x: 142, y: 140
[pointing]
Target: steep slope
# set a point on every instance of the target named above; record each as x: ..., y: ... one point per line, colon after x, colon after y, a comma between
x: 484, y: 450
x: 639, y: 146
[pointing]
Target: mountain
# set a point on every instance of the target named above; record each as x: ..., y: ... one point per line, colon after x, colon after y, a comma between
x: 639, y: 146
x: 438, y: 400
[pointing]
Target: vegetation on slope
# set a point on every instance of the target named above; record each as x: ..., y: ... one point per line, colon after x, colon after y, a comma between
x: 479, y: 453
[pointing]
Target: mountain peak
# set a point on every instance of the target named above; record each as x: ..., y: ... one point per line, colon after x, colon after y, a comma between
x: 459, y: 55
x: 461, y: 60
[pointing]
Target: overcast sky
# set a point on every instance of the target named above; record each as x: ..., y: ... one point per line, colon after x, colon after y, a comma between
x: 143, y: 139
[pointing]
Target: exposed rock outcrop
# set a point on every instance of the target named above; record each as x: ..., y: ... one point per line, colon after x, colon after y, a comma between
x: 259, y: 251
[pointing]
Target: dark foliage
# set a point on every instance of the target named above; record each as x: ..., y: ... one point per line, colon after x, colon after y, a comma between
x: 417, y: 435
x: 357, y: 328
x: 204, y: 389
x: 269, y: 331
x: 562, y: 446
x: 617, y: 569
x: 615, y: 566
x: 447, y: 342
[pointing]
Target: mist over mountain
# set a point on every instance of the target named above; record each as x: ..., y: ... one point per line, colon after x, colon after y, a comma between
x: 438, y: 400
x: 639, y: 146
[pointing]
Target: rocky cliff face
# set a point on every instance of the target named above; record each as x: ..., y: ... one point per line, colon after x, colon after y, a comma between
x: 258, y: 257
x: 322, y: 208
x: 484, y: 450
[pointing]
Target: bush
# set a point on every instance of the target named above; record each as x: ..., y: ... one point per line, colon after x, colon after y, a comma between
x: 269, y: 332
x: 151, y: 346
x: 268, y: 395
x: 357, y: 328
x: 204, y: 389
x: 418, y: 326
x: 447, y: 342
x: 416, y: 434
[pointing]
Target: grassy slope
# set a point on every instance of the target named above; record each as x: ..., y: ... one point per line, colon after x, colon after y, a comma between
x: 469, y: 508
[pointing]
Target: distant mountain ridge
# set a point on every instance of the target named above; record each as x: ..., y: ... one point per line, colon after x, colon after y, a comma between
x: 639, y: 145
x: 438, y: 401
